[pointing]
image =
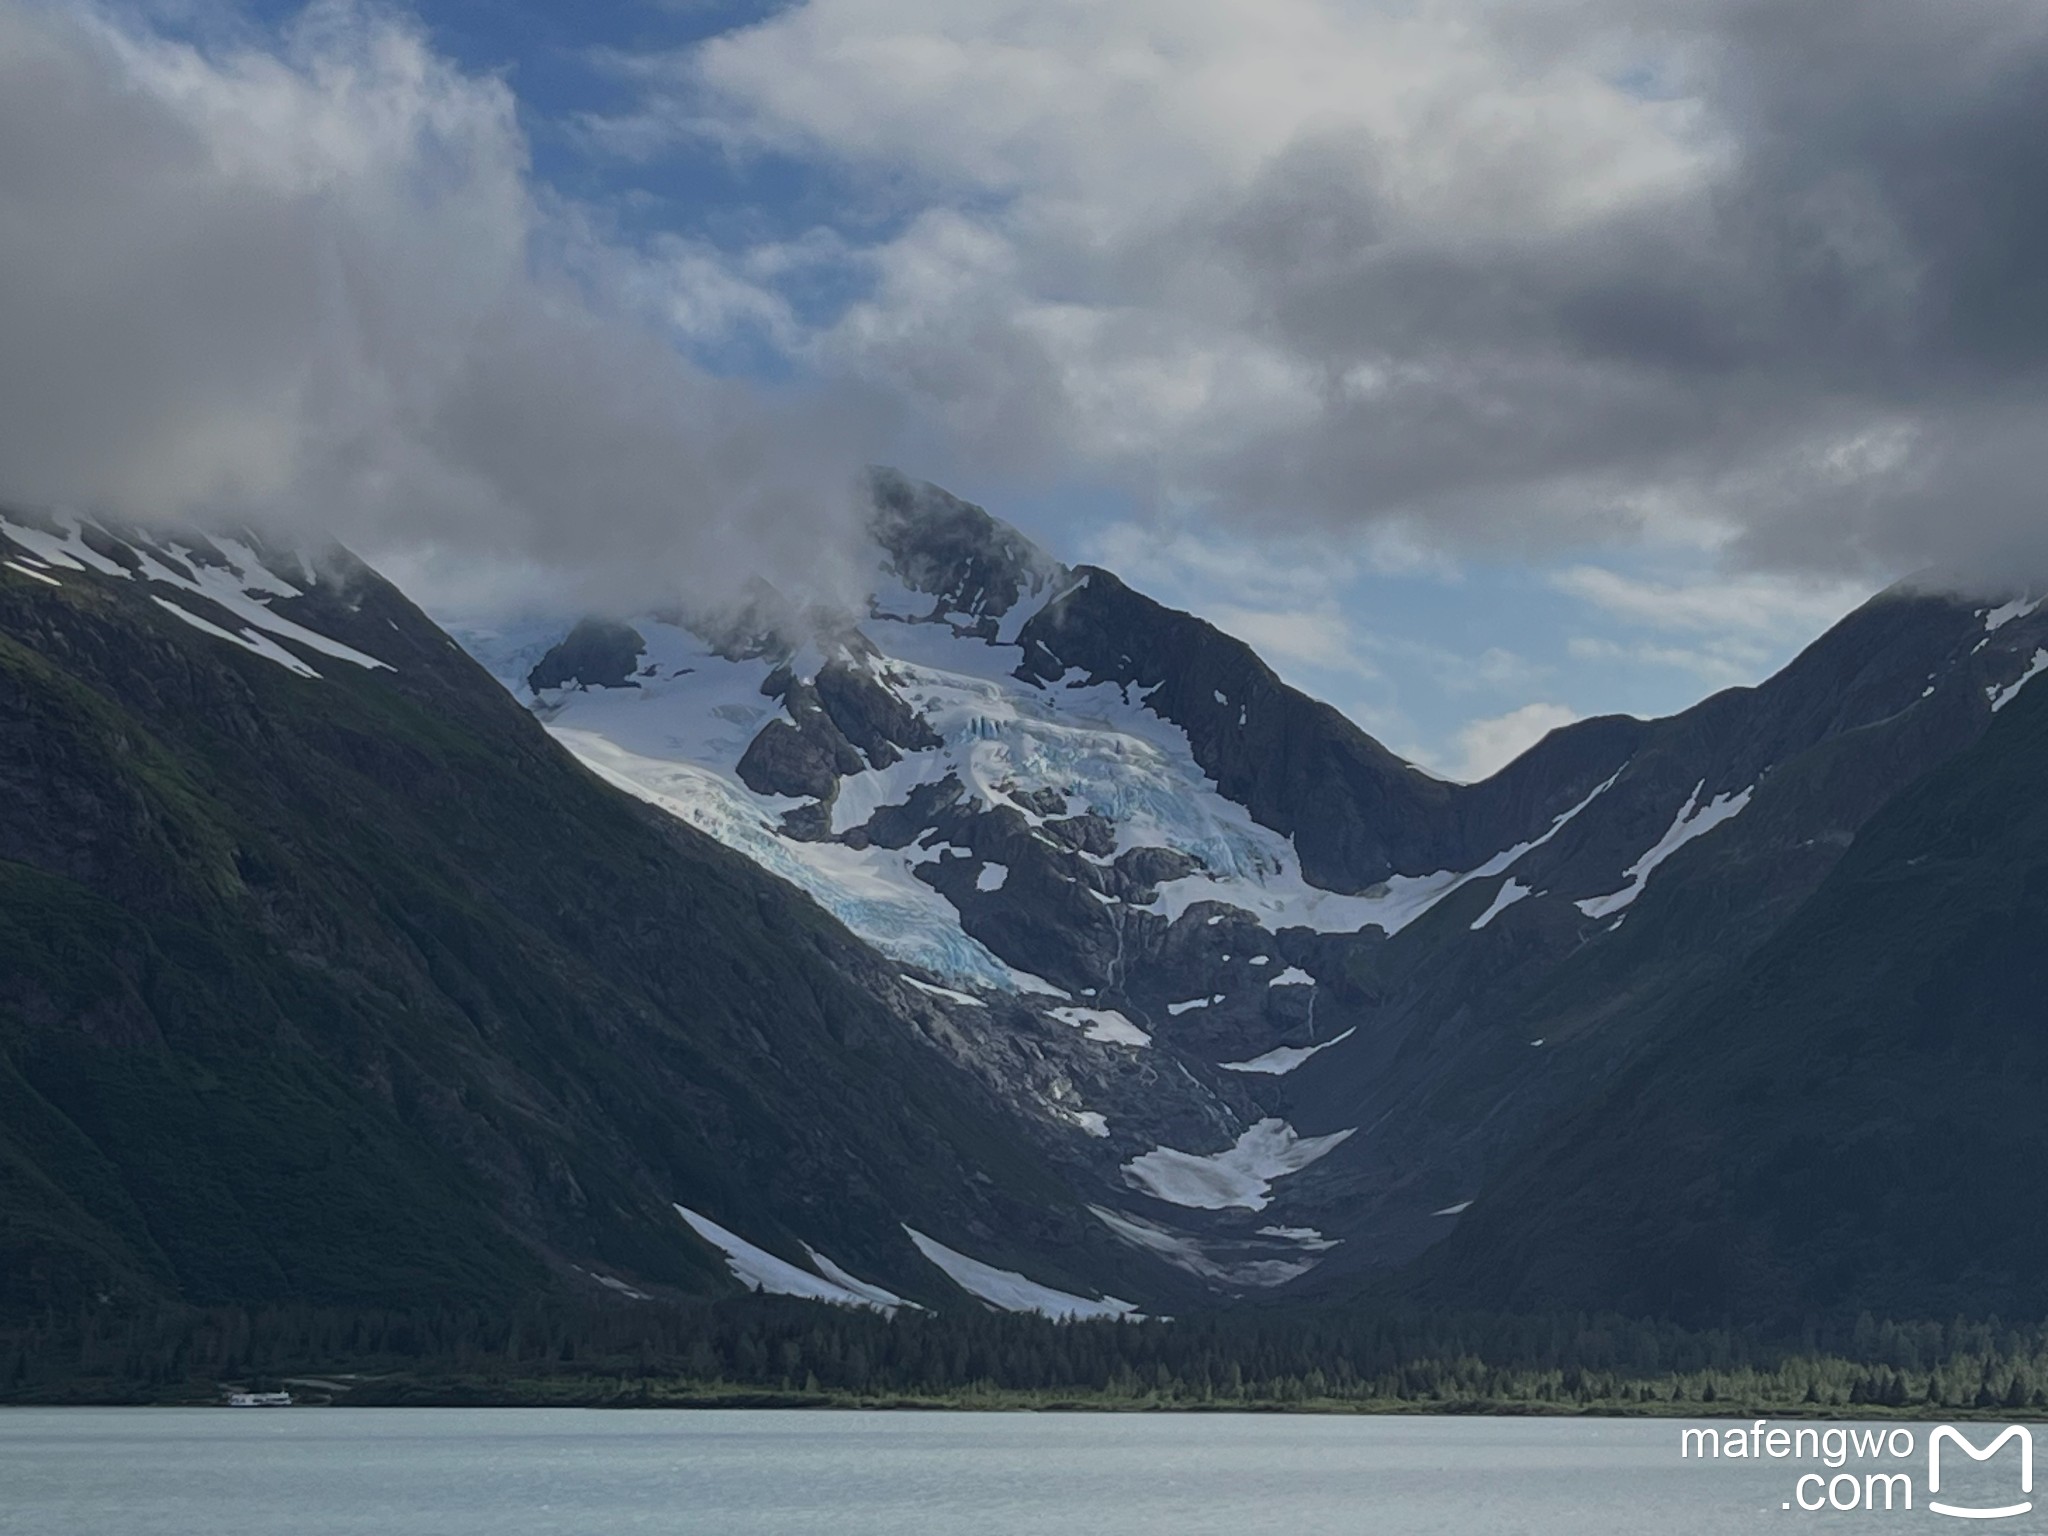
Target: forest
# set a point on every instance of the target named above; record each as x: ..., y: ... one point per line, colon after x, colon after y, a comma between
x: 770, y: 1351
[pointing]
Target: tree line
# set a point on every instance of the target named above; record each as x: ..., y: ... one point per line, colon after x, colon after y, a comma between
x: 772, y: 1348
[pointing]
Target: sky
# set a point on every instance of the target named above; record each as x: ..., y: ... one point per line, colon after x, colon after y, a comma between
x: 1487, y: 364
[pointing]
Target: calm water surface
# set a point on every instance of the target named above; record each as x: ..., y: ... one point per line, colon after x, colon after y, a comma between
x: 542, y: 1472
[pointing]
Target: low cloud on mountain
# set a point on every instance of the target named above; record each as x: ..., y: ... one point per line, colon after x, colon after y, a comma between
x: 319, y: 288
x: 1509, y: 276
x: 1580, y: 355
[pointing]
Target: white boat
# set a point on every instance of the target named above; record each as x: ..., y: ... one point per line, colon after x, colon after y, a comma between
x: 259, y: 1399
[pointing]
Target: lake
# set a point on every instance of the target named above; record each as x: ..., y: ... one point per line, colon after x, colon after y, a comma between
x: 552, y: 1472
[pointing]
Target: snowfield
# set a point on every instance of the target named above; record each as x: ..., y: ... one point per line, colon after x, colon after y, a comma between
x: 763, y: 1271
x: 243, y: 587
x: 1510, y: 892
x: 1241, y: 1263
x: 2000, y: 697
x: 1692, y: 821
x: 1240, y: 1175
x: 1284, y: 1059
x: 675, y: 739
x: 1103, y: 1024
x: 1009, y: 1291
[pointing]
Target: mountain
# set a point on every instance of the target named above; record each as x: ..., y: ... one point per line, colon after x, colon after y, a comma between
x: 1004, y: 936
x: 1849, y: 1120
x: 1291, y: 1003
x: 326, y: 976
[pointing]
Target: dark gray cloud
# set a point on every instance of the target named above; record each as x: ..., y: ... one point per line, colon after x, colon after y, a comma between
x: 1508, y: 274
x: 319, y: 291
x: 1836, y: 340
x: 1503, y: 273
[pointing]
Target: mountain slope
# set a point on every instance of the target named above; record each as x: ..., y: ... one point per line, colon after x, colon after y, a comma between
x: 1492, y: 1019
x: 1849, y: 1122
x: 1323, y: 996
x: 329, y: 977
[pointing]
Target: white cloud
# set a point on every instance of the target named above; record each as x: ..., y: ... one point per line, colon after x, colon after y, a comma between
x: 1486, y: 746
x: 1321, y: 639
x: 1107, y: 208
x: 1758, y: 603
x: 1724, y: 662
x: 318, y: 287
x: 1493, y: 274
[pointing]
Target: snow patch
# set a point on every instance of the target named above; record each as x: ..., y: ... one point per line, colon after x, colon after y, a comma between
x: 1307, y: 1237
x: 1454, y: 1210
x: 1510, y: 892
x: 19, y: 569
x: 1185, y: 1252
x: 2000, y: 697
x: 67, y: 551
x: 243, y: 587
x: 1177, y: 1009
x: 258, y: 644
x: 1293, y: 976
x: 244, y: 592
x: 2005, y: 613
x: 991, y: 877
x: 947, y: 993
x: 1240, y: 1175
x: 1088, y: 1120
x: 1284, y: 1059
x: 762, y: 1270
x: 885, y: 1299
x: 1693, y: 820
x: 1009, y: 1291
x: 1103, y: 1024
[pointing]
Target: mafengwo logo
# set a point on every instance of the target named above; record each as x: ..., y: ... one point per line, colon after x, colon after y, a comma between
x: 1884, y: 1463
x: 1946, y: 1435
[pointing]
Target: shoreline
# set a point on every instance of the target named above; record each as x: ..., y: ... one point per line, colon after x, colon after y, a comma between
x: 610, y: 1394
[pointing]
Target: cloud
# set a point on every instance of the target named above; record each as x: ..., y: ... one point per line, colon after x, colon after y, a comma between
x: 1719, y: 663
x: 1322, y: 639
x: 1753, y: 603
x: 316, y: 287
x: 1496, y: 275
x: 1486, y: 746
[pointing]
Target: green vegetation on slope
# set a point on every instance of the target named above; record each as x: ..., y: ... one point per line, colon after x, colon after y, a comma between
x: 358, y: 991
x: 766, y: 1351
x: 1852, y: 1122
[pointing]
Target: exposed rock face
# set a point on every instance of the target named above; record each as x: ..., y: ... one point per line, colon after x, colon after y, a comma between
x: 1057, y: 779
x: 1173, y: 983
x: 1356, y: 812
x: 1842, y: 1123
x: 840, y: 722
x: 869, y: 715
x: 805, y: 755
x: 965, y: 561
x: 327, y: 977
x: 595, y: 654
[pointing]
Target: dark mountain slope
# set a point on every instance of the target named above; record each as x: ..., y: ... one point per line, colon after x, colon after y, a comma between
x: 1473, y: 1037
x: 1851, y: 1121
x: 1356, y: 811
x: 355, y: 988
x: 1080, y: 805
